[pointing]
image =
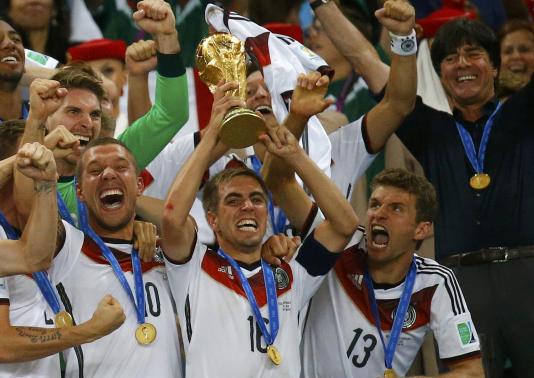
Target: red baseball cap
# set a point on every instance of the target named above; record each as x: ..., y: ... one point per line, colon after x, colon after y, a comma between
x: 98, y: 49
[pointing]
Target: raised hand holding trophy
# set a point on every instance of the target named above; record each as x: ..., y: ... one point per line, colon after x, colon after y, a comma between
x: 222, y: 57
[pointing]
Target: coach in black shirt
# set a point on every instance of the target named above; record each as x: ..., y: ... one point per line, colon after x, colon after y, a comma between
x: 481, y: 161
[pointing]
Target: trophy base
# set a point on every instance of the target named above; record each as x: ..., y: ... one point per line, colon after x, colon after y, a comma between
x: 241, y: 128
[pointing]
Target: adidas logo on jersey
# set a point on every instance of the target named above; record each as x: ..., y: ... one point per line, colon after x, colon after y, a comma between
x: 226, y: 269
x: 356, y: 280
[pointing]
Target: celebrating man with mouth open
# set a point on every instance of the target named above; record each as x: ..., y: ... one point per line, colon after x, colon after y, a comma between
x: 240, y: 315
x: 75, y: 96
x: 380, y: 299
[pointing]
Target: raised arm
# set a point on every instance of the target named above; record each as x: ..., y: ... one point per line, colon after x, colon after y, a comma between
x: 398, y: 17
x: 20, y: 344
x: 340, y: 220
x: 6, y: 170
x: 354, y: 46
x: 45, y: 98
x: 178, y: 228
x: 140, y: 60
x: 307, y: 100
x: 149, y: 135
x: 36, y: 247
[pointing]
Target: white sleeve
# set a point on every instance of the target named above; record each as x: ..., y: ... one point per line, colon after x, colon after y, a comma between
x: 310, y: 267
x: 167, y: 164
x: 67, y: 257
x: 451, y: 321
x: 181, y: 275
x: 350, y: 158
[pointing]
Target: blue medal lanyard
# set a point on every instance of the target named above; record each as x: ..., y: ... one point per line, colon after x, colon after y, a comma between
x: 278, y: 223
x: 400, y: 313
x: 477, y: 160
x: 64, y: 210
x: 270, y: 289
x: 40, y: 278
x: 110, y: 257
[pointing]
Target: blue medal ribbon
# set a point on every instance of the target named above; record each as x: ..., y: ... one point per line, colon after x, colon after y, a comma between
x: 278, y: 223
x: 40, y: 278
x: 477, y: 160
x: 64, y: 211
x: 139, y: 305
x: 400, y: 313
x: 270, y: 289
x: 24, y: 111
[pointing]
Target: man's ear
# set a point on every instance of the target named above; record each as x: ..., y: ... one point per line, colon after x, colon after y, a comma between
x: 79, y: 191
x: 423, y: 230
x: 211, y: 217
x: 140, y: 186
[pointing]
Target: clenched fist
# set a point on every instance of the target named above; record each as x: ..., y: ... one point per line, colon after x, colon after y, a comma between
x: 397, y: 16
x: 36, y: 162
x: 108, y: 316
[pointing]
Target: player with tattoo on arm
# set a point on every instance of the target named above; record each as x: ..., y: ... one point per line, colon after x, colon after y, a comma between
x: 27, y: 336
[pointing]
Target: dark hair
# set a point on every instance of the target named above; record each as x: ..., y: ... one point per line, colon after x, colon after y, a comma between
x: 210, y: 196
x: 80, y: 76
x: 425, y: 195
x: 58, y: 32
x: 456, y: 33
x: 104, y: 141
x: 10, y: 131
x: 253, y: 64
x: 515, y: 25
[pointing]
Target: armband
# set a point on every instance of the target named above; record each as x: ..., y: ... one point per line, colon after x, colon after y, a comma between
x: 403, y: 45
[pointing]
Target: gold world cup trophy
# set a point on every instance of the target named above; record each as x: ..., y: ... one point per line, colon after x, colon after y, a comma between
x: 219, y: 57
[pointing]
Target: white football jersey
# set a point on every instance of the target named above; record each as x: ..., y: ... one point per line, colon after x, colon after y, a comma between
x: 340, y: 337
x: 350, y: 158
x: 27, y: 308
x: 84, y: 277
x: 221, y: 337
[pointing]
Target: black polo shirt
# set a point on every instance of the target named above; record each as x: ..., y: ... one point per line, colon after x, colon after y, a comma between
x: 468, y: 219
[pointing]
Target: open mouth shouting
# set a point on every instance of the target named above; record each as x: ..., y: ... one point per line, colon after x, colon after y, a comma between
x: 247, y: 225
x: 379, y: 236
x: 10, y: 59
x: 264, y: 109
x: 111, y: 199
x: 84, y: 139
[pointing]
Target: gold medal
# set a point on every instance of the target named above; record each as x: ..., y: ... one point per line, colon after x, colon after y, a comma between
x: 479, y: 181
x: 389, y: 373
x: 145, y: 333
x: 274, y: 355
x: 63, y: 319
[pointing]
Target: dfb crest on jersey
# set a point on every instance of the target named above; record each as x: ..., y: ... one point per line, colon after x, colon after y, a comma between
x: 281, y: 277
x: 409, y: 318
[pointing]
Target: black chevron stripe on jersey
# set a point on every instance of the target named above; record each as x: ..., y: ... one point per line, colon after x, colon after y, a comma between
x: 68, y: 307
x: 452, y: 277
x: 451, y: 284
